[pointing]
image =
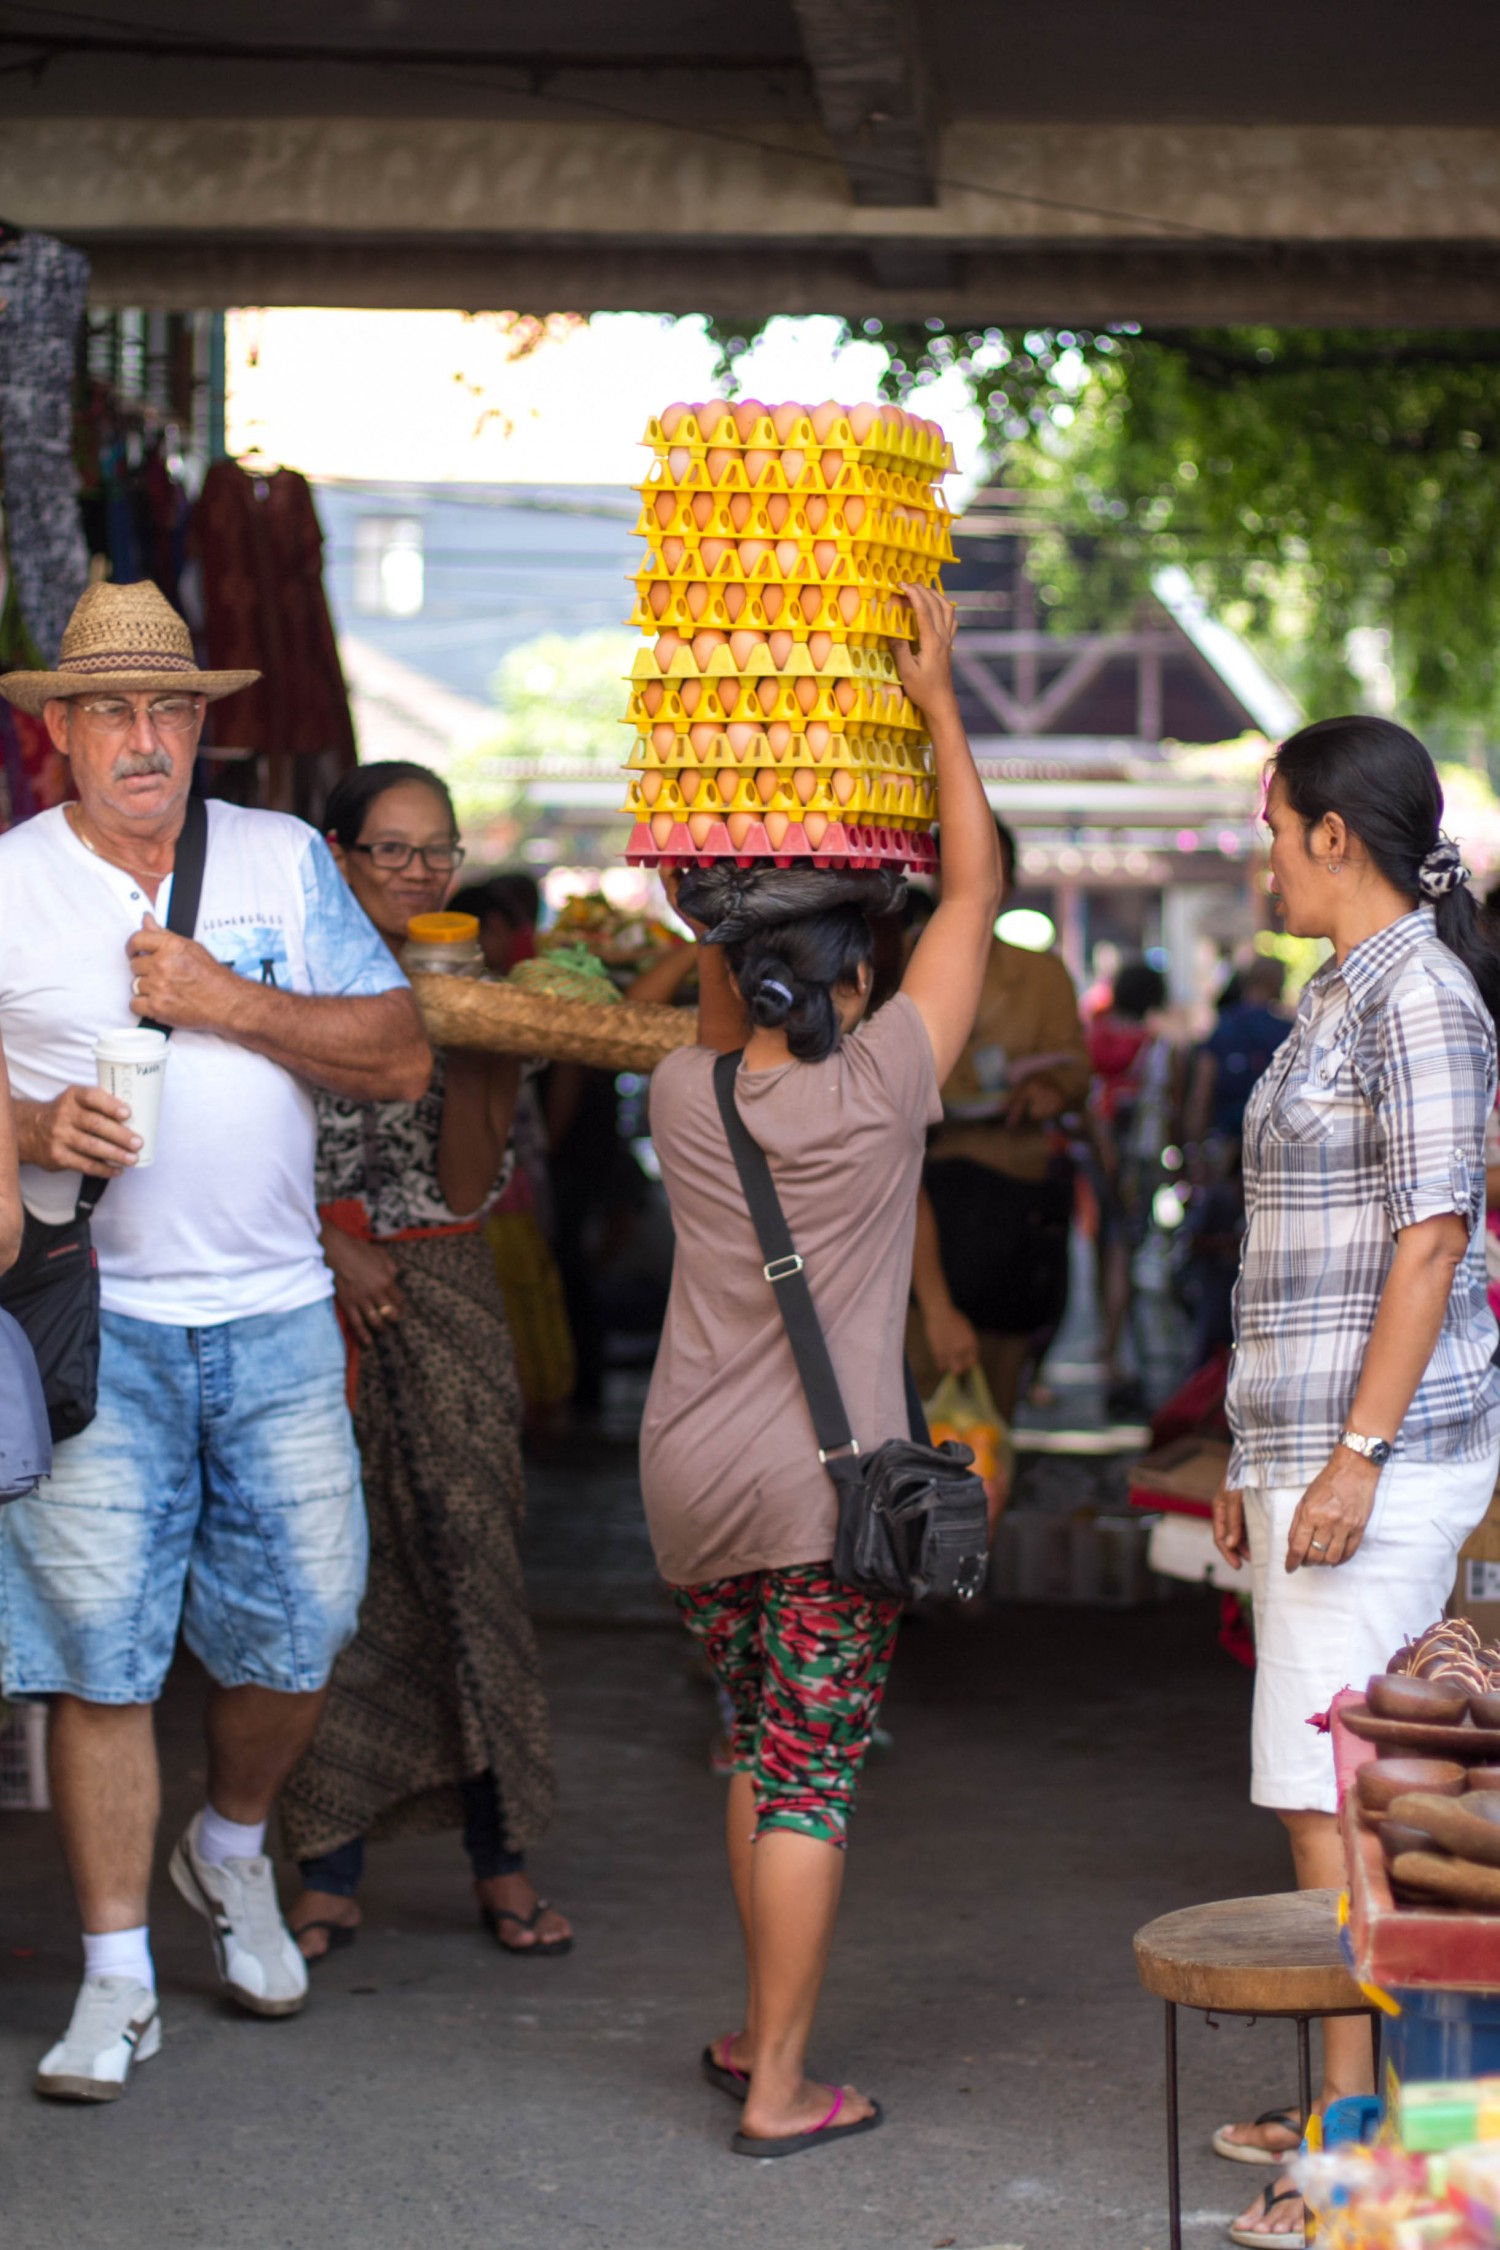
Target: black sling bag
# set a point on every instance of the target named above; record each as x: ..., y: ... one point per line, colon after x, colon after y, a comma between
x: 912, y: 1516
x: 52, y: 1290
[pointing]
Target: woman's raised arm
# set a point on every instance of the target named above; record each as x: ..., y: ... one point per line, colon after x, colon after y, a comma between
x: 946, y: 971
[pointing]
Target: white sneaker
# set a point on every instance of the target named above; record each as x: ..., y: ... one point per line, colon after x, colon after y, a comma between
x: 115, y: 2023
x: 259, y: 1959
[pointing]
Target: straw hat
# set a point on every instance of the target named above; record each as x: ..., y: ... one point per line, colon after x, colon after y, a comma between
x: 122, y: 640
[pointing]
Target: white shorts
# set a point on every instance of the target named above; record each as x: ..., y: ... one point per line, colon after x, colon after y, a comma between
x: 1318, y: 1630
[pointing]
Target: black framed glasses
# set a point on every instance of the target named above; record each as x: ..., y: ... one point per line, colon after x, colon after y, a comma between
x: 391, y: 858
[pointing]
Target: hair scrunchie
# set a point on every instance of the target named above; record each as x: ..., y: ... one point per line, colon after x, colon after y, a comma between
x: 1442, y: 870
x: 774, y: 984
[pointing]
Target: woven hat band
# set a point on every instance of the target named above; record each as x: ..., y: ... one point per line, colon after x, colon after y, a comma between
x: 132, y: 660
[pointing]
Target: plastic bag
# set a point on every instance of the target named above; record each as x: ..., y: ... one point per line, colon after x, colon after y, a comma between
x: 963, y: 1408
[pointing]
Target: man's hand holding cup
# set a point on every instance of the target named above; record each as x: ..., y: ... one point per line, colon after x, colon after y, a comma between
x: 84, y: 1129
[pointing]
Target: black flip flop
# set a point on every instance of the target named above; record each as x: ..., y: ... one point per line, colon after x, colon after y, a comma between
x: 821, y: 2136
x: 340, y: 1935
x: 491, y: 1918
x: 734, y: 2083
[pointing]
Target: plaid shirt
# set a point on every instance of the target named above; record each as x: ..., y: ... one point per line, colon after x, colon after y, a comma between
x: 1370, y: 1118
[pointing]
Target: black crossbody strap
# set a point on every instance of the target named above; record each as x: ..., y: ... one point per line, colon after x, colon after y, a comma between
x: 182, y: 920
x: 784, y: 1270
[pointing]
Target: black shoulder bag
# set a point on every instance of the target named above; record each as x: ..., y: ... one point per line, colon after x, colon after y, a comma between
x: 52, y: 1290
x: 912, y: 1516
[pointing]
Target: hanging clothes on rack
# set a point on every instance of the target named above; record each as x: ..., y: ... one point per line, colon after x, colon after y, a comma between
x: 258, y: 538
x: 43, y: 285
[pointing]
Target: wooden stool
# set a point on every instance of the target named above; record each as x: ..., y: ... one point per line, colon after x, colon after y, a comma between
x: 1273, y: 1956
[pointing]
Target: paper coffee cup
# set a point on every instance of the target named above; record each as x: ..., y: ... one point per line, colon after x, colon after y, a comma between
x: 132, y: 1065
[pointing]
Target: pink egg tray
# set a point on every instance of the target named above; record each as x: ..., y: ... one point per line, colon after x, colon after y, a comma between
x: 857, y: 849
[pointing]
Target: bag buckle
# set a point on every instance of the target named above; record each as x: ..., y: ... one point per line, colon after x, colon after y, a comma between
x: 782, y: 1269
x: 844, y: 1452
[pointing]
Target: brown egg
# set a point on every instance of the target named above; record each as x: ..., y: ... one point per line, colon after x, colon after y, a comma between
x: 719, y: 461
x: 784, y: 419
x: 862, y: 420
x: 744, y: 739
x: 703, y: 738
x: 806, y: 692
x: 706, y: 645
x: 768, y: 694
x: 781, y: 646
x: 832, y: 466
x: 664, y: 506
x: 701, y: 826
x: 825, y: 556
x: 662, y: 824
x: 765, y: 784
x: 819, y: 738
x: 734, y: 597
x: 777, y: 824
x: 728, y: 781
x: 805, y: 782
x: 824, y: 417
x: 819, y: 649
x: 743, y: 644
x: 670, y: 417
x: 810, y: 601
x: 667, y: 645
x: 713, y: 552
x: 712, y: 413
x: 772, y: 601
x: 679, y: 464
x: 815, y: 827
x: 740, y: 824
x: 778, y: 508
x: 740, y: 505
x: 688, y: 782
x: 849, y: 601
x: 793, y: 462
x: 651, y: 786
x: 659, y: 598
x: 729, y: 694
x: 690, y: 691
x: 855, y: 512
x: 753, y: 553
x: 757, y: 462
x: 845, y: 695
x: 702, y: 505
x: 788, y: 555
x: 843, y: 784
x: 672, y: 551
x: 779, y: 738
x: 652, y: 694
x: 816, y: 508
x: 746, y: 415
x: 698, y: 597
x: 663, y: 739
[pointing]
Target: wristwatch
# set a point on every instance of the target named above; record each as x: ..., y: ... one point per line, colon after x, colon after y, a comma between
x: 1376, y: 1449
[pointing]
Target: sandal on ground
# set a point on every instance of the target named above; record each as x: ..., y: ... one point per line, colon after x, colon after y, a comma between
x: 734, y: 2083
x: 1246, y: 2152
x: 491, y: 1918
x: 1264, y: 2238
x: 340, y: 1935
x: 821, y: 2136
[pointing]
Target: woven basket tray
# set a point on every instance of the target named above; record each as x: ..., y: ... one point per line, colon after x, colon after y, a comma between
x: 459, y: 1012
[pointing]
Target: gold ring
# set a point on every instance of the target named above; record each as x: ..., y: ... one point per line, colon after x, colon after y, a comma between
x: 386, y: 1312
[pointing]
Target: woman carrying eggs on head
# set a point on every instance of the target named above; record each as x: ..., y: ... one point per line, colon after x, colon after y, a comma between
x: 742, y: 1514
x: 1363, y: 1399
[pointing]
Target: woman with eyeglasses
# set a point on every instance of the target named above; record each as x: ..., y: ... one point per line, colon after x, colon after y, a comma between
x: 435, y: 1716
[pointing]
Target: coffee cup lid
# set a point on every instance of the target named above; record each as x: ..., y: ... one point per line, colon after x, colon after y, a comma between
x: 133, y: 1044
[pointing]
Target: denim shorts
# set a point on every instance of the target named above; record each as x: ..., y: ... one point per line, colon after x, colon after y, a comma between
x: 218, y: 1487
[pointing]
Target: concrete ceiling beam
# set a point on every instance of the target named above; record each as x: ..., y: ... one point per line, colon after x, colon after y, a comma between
x: 875, y: 96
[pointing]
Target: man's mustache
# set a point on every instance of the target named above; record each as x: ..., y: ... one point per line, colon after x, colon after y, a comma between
x: 135, y: 763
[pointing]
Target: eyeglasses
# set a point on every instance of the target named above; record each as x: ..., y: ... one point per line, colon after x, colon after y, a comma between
x: 168, y: 714
x: 391, y: 858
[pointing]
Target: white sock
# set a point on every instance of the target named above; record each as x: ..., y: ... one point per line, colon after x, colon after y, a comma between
x: 120, y: 1953
x: 220, y: 1839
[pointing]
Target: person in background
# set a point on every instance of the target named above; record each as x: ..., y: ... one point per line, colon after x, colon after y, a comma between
x: 742, y: 1515
x: 1364, y: 1399
x: 436, y: 1716
x: 217, y: 1488
x: 1131, y: 1065
x: 507, y: 907
x: 993, y: 1222
x: 1231, y: 1060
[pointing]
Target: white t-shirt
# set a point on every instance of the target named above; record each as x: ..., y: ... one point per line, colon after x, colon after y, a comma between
x: 223, y: 1224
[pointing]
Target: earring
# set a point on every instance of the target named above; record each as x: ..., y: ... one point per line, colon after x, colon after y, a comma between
x: 1334, y: 865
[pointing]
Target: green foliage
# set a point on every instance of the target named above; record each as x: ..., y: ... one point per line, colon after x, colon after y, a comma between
x: 1314, y: 482
x: 559, y: 696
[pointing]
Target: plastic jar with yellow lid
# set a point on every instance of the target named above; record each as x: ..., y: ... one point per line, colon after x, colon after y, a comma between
x: 442, y: 945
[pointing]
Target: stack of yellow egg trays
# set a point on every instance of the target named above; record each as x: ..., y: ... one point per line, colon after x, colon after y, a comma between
x: 769, y: 715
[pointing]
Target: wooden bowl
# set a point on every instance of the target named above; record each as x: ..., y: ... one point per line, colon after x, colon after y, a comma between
x: 1484, y: 1710
x: 1381, y: 1780
x: 1400, y: 1836
x: 1484, y: 1777
x: 1396, y: 1695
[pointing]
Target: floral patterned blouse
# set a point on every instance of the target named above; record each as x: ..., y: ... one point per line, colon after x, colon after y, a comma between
x: 384, y: 1155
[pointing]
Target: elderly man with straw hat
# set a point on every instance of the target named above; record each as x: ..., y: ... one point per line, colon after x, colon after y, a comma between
x: 217, y: 1485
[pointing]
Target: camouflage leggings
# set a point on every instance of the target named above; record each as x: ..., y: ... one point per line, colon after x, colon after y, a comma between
x: 803, y: 1659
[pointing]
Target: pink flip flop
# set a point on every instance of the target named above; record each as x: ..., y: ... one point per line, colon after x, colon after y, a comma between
x: 821, y: 2136
x: 734, y: 2083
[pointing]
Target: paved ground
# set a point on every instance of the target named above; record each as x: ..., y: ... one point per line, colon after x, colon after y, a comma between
x: 1057, y: 1778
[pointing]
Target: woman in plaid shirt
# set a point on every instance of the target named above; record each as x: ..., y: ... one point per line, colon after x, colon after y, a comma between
x: 1364, y: 1402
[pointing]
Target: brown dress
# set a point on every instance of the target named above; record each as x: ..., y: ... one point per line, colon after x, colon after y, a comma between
x: 442, y: 1680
